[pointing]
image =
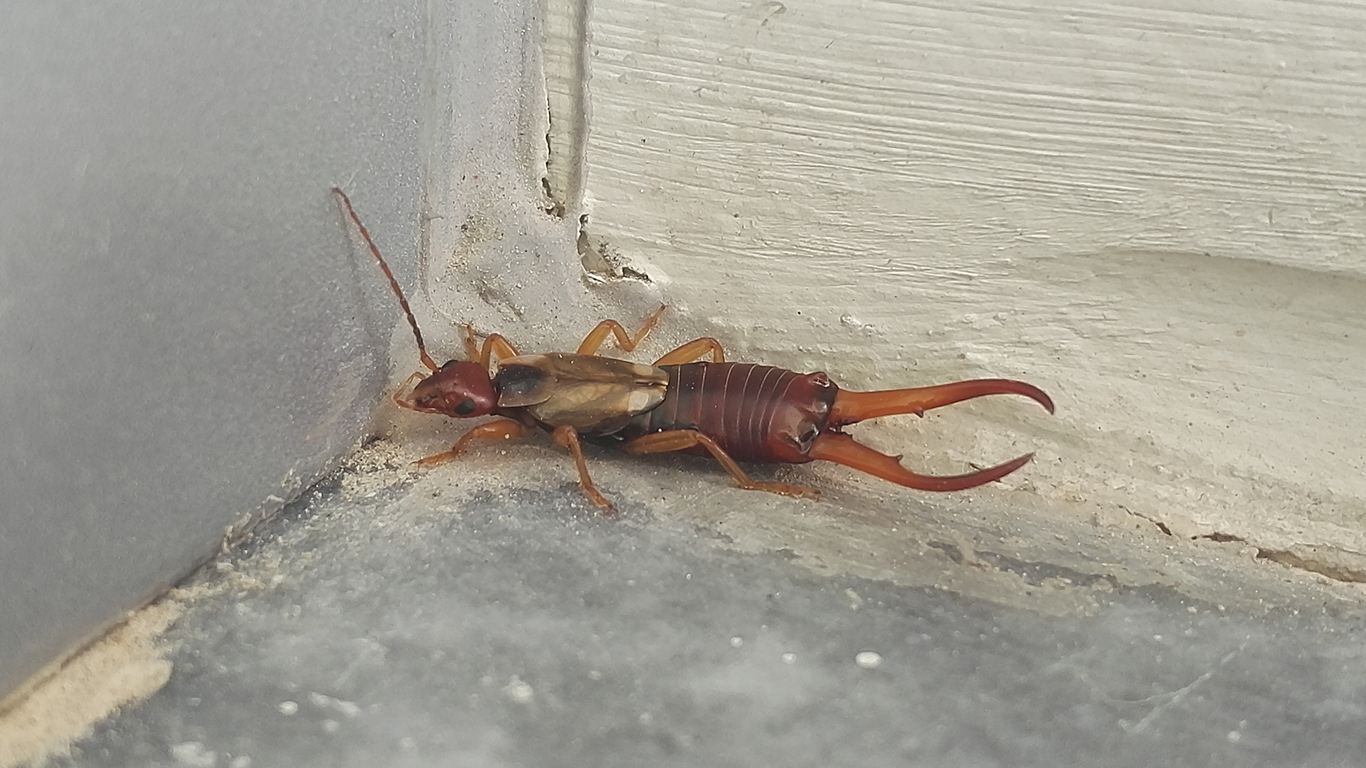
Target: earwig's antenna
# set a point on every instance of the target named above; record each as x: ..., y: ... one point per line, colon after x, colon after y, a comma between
x: 393, y: 283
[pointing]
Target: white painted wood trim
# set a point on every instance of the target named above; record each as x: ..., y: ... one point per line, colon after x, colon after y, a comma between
x: 1157, y: 211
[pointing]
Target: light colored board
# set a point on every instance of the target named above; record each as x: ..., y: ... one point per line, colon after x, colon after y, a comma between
x: 1156, y: 211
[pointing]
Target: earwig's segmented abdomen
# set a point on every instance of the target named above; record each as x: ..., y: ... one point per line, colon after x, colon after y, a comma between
x: 754, y: 412
x: 732, y: 403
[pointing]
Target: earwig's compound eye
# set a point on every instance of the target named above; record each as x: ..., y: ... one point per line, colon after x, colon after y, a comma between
x: 465, y: 408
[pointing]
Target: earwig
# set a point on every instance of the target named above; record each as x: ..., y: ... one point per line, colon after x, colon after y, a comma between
x: 731, y: 411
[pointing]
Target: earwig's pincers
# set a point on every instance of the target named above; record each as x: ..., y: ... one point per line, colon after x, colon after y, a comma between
x: 852, y: 407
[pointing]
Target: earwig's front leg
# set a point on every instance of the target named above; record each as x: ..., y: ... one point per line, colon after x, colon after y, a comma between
x: 567, y: 437
x: 398, y: 397
x: 683, y: 439
x: 694, y: 351
x: 593, y: 341
x: 502, y: 429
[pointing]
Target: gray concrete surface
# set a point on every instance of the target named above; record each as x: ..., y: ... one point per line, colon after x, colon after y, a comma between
x: 482, y: 613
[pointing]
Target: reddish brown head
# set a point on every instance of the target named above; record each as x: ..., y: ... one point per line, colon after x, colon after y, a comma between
x: 460, y: 388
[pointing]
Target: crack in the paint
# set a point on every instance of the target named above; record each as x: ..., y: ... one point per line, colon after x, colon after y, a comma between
x: 1285, y: 557
x: 1331, y: 570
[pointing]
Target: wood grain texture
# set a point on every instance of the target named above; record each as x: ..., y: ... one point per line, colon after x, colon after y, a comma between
x: 563, y: 27
x: 1156, y: 211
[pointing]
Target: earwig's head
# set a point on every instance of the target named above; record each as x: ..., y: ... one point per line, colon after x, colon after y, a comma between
x: 460, y: 388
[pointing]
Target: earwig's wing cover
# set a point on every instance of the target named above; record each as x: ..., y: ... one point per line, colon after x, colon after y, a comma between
x: 524, y: 380
x: 594, y: 395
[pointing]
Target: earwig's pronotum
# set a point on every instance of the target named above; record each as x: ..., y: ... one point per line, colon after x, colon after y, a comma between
x: 732, y: 411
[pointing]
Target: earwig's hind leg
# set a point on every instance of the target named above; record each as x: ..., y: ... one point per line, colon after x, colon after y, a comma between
x: 502, y: 429
x: 628, y: 343
x: 693, y: 351
x: 567, y: 437
x: 843, y: 449
x: 683, y: 439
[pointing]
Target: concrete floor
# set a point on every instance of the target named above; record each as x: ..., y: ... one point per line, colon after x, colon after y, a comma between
x: 482, y: 613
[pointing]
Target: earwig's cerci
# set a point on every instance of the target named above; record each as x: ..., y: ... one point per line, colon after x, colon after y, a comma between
x: 732, y: 411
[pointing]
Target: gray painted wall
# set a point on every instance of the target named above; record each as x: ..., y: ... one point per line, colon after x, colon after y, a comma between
x: 187, y: 334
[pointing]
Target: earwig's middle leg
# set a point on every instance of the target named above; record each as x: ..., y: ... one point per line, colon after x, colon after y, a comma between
x: 567, y: 437
x: 683, y: 439
x: 494, y: 344
x: 593, y: 341
x: 502, y: 429
x: 691, y: 352
x: 694, y: 351
x: 628, y: 343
